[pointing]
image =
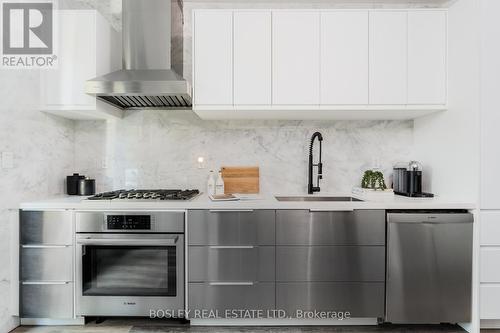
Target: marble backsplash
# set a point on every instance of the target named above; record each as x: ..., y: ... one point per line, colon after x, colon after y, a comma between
x: 152, y: 149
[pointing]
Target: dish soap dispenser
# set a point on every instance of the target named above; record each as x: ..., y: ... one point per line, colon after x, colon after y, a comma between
x: 219, y: 185
x: 211, y: 183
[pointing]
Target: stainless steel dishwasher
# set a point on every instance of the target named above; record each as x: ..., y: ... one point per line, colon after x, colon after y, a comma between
x: 429, y: 267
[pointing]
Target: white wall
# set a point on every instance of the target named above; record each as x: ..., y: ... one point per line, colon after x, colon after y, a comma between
x: 447, y: 143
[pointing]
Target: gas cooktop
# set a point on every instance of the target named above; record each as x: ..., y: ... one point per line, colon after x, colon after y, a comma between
x: 147, y: 195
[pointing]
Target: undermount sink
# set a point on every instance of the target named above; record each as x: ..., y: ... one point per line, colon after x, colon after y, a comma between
x: 313, y: 198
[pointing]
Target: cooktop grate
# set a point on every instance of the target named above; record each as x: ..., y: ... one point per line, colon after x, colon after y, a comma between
x: 146, y: 195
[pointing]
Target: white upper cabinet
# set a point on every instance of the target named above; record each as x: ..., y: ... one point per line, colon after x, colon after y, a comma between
x: 344, y: 58
x: 388, y: 57
x: 319, y: 64
x: 427, y: 57
x: 87, y: 46
x: 252, y: 58
x: 213, y: 63
x: 296, y: 40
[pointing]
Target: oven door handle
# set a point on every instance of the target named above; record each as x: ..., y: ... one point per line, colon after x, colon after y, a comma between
x: 128, y: 241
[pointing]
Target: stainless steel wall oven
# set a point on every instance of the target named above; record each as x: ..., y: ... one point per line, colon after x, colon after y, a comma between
x: 129, y: 263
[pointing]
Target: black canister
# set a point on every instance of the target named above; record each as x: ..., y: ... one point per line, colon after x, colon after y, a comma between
x: 86, y: 186
x: 73, y: 183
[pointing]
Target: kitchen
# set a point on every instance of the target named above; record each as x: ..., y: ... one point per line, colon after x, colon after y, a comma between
x: 412, y: 80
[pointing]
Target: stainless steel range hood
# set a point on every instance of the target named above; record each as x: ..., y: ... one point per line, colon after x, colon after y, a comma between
x: 152, y: 59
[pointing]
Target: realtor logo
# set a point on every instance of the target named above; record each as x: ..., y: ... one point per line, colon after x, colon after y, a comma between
x: 27, y: 34
x: 27, y: 28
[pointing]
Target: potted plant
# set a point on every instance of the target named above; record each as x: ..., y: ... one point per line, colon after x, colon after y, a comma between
x: 373, y: 180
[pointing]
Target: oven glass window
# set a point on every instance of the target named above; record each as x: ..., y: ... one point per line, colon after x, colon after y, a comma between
x: 129, y: 271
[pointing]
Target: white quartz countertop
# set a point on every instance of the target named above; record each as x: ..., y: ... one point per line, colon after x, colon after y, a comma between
x: 262, y: 202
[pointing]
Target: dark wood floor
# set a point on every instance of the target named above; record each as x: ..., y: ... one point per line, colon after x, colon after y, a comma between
x: 147, y: 326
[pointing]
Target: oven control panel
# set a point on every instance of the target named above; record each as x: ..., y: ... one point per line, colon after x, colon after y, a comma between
x: 129, y: 222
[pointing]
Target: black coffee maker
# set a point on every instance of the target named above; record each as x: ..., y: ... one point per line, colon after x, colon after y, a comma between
x: 407, y: 180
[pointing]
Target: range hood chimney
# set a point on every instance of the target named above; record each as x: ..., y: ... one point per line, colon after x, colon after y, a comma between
x: 151, y: 77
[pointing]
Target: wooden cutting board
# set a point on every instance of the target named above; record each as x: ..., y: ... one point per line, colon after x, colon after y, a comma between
x: 240, y: 179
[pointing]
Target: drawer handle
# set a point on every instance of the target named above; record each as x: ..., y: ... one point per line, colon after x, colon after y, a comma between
x: 248, y: 283
x: 220, y: 247
x: 331, y: 210
x: 231, y: 210
x: 45, y: 282
x: 44, y: 246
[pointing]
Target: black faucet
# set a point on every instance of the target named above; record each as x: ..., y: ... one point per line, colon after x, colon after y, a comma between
x: 310, y: 187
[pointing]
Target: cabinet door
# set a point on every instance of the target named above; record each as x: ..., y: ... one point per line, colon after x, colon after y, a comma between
x: 46, y: 227
x: 489, y: 296
x: 361, y: 299
x: 344, y: 57
x: 489, y: 268
x: 221, y: 297
x: 213, y: 58
x: 46, y: 300
x: 490, y: 228
x: 388, y: 57
x: 46, y: 263
x: 302, y: 227
x: 64, y: 87
x: 330, y: 263
x: 426, y: 57
x: 231, y: 263
x: 296, y: 41
x: 252, y: 58
x: 230, y: 227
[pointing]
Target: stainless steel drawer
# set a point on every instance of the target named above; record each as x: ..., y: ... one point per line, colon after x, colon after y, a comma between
x: 216, y: 227
x: 44, y: 227
x: 303, y: 227
x: 361, y: 299
x: 46, y: 263
x: 330, y: 263
x: 46, y: 300
x: 231, y: 263
x: 205, y: 296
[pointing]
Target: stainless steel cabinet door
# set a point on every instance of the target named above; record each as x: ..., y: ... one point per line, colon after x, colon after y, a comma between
x: 231, y: 263
x: 45, y: 227
x: 46, y: 300
x: 361, y: 299
x: 303, y: 227
x: 210, y: 296
x: 47, y: 264
x: 330, y: 263
x: 209, y: 227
